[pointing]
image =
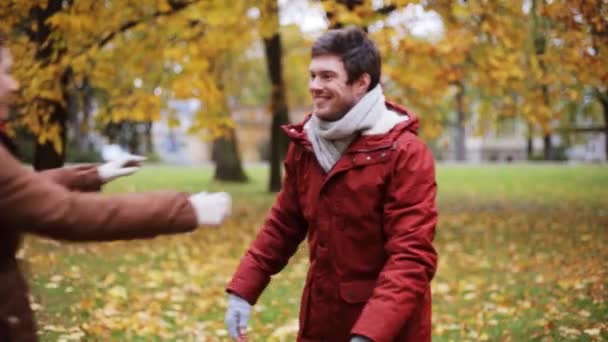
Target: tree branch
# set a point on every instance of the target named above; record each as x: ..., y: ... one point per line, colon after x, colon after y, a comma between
x: 175, y: 7
x: 386, y: 9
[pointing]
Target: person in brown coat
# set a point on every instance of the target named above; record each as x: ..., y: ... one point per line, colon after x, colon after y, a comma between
x: 61, y: 204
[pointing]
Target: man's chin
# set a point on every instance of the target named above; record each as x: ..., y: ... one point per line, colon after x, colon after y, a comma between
x: 328, y: 116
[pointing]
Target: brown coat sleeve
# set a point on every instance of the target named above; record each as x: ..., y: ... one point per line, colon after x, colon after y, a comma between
x: 84, y: 178
x: 45, y: 208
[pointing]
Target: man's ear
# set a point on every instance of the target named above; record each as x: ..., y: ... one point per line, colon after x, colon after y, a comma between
x: 363, y: 83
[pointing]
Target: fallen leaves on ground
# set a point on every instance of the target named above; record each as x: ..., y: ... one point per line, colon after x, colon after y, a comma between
x: 507, y: 272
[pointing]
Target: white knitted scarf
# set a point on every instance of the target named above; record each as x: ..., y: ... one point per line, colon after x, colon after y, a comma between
x: 331, y: 138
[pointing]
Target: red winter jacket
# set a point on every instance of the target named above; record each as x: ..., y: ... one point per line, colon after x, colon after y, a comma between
x: 370, y: 223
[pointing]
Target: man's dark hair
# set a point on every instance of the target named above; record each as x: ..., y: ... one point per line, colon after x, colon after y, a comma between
x: 358, y: 53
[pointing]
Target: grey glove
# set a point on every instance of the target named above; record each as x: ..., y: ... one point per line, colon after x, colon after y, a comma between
x: 359, y: 338
x: 237, y: 316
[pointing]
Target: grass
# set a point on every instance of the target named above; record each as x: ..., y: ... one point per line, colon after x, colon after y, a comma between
x: 522, y: 257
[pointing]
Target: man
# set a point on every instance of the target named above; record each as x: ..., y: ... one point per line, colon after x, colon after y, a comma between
x: 361, y: 185
x: 59, y: 204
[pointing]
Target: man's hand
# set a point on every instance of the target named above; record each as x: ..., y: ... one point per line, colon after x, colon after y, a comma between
x: 358, y: 338
x: 237, y: 316
x: 122, y: 166
x: 211, y: 208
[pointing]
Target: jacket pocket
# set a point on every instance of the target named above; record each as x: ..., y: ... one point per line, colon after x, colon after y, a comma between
x: 358, y: 291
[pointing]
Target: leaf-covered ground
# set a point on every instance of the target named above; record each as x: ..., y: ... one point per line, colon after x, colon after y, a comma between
x: 522, y: 249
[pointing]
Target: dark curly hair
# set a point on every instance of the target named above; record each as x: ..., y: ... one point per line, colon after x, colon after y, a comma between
x: 358, y: 53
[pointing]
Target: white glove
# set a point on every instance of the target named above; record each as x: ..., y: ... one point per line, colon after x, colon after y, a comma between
x: 122, y: 166
x: 237, y: 316
x: 211, y: 208
x: 359, y: 338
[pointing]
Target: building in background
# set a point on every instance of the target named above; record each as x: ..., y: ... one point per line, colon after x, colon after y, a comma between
x: 505, y: 141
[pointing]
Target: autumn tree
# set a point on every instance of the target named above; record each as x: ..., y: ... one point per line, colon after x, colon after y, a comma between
x: 54, y: 42
x: 482, y: 67
x: 419, y: 72
x: 270, y: 31
x: 580, y: 29
x: 60, y: 44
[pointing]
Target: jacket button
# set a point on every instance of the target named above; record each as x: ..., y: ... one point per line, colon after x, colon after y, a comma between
x: 383, y: 154
x: 13, y: 320
x: 368, y: 158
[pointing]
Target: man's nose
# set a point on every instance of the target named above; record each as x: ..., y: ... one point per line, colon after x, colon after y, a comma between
x: 314, y: 84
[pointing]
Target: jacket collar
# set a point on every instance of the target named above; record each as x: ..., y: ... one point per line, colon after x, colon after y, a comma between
x: 296, y: 132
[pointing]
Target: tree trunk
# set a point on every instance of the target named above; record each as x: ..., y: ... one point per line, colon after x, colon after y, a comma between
x: 547, y: 148
x: 278, y: 140
x: 530, y: 142
x: 148, y: 141
x: 46, y: 156
x: 133, y: 139
x: 604, y: 101
x: 540, y: 47
x: 224, y: 149
x: 87, y: 112
x: 228, y: 166
x: 460, y: 143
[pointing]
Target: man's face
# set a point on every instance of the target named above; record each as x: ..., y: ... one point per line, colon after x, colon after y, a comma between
x: 332, y: 97
x: 8, y: 85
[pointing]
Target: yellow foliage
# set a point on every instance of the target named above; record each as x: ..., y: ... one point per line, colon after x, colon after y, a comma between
x: 488, y: 47
x: 129, y: 51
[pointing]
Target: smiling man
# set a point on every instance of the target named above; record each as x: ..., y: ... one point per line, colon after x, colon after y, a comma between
x: 361, y: 186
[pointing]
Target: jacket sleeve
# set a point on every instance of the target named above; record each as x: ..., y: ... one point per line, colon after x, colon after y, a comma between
x: 84, y: 178
x: 42, y: 207
x: 282, y: 232
x: 410, y: 217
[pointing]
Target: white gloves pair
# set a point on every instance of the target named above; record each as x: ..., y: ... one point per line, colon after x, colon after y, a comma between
x: 211, y: 208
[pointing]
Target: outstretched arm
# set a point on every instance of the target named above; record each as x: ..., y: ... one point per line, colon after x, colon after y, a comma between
x: 83, y: 178
x: 89, y: 178
x: 40, y: 206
